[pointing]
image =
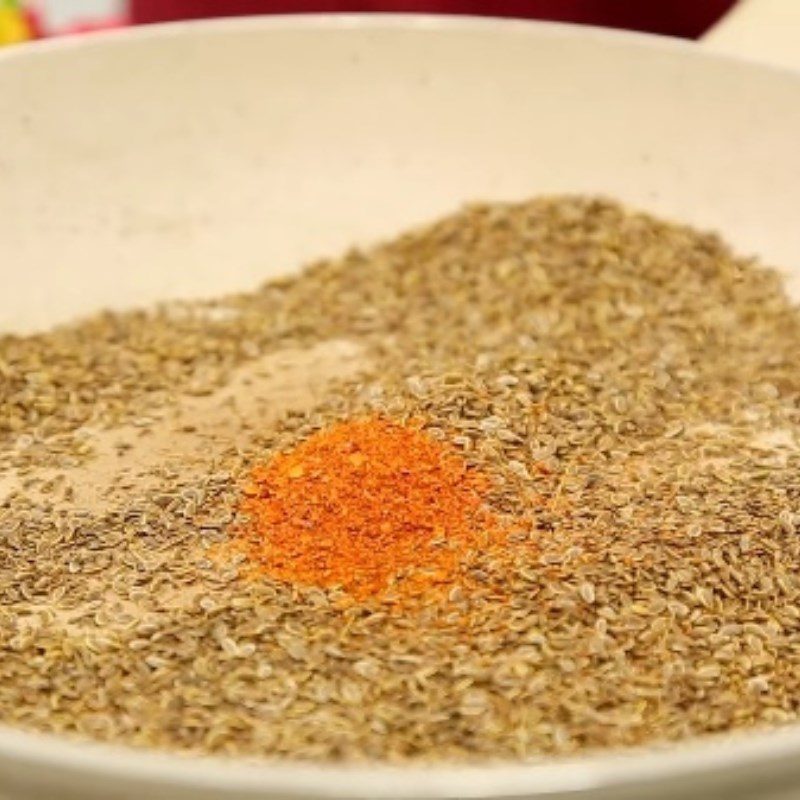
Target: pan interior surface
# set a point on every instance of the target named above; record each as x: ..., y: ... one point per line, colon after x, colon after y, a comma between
x: 191, y: 160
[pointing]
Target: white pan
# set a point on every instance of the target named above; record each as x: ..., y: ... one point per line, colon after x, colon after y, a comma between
x: 190, y: 160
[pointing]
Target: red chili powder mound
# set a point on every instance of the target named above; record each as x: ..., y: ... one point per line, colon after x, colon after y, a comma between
x: 364, y: 504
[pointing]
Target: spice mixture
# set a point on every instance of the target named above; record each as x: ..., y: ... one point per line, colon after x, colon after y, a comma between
x: 523, y: 482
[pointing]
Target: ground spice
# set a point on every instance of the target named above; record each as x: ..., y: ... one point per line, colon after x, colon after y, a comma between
x: 363, y: 504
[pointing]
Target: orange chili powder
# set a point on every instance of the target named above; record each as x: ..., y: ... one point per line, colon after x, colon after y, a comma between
x: 365, y: 504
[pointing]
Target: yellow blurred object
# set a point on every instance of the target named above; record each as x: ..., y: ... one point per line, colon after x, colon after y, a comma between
x: 13, y: 25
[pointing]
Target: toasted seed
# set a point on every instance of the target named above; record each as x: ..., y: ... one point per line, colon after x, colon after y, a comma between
x: 629, y: 385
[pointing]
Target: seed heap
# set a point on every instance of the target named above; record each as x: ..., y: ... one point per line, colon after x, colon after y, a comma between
x: 630, y: 389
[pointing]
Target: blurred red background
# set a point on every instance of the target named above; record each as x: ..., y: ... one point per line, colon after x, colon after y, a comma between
x: 688, y: 18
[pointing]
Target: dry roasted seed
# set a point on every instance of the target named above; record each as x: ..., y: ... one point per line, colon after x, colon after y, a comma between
x: 629, y: 385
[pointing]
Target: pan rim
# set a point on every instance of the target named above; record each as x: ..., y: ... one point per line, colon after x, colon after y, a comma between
x: 661, y: 765
x: 384, y: 21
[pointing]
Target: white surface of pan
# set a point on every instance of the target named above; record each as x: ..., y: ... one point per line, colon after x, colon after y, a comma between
x: 190, y: 160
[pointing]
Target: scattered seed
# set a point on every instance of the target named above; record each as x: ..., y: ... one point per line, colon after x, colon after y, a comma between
x: 629, y: 385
